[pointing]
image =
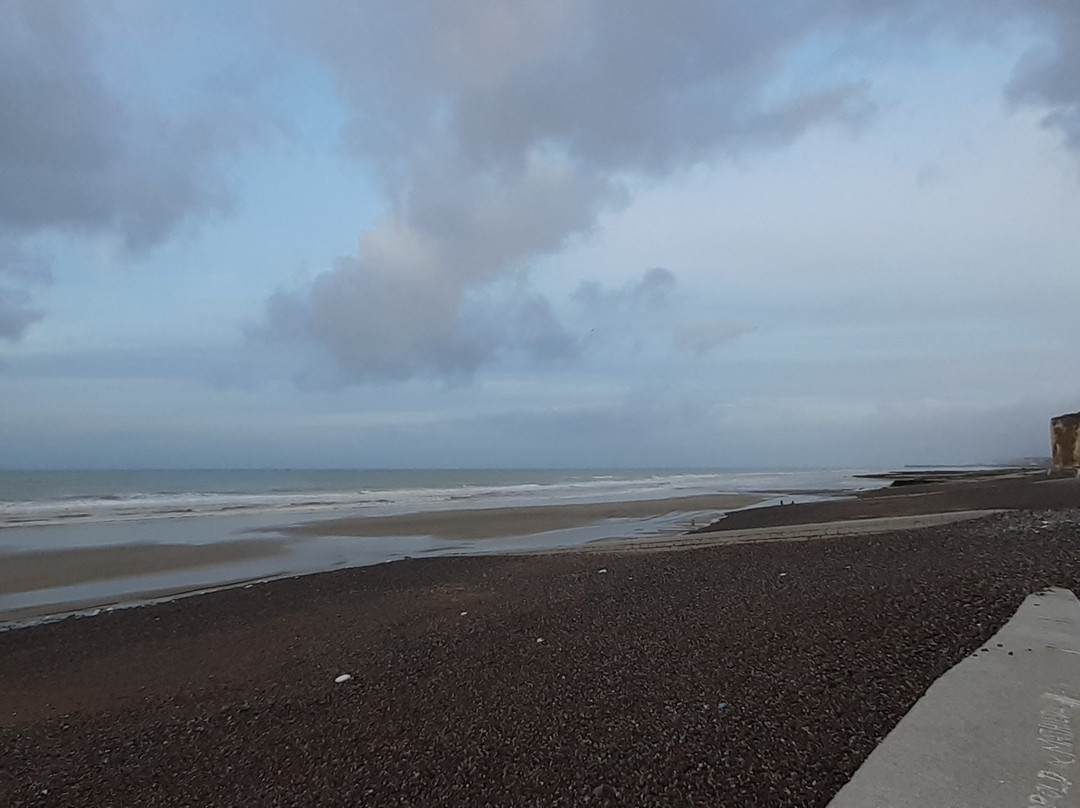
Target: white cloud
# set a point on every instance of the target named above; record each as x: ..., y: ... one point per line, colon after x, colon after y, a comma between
x: 493, y: 157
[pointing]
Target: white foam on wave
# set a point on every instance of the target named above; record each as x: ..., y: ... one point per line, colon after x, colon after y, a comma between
x: 572, y: 488
x: 162, y: 506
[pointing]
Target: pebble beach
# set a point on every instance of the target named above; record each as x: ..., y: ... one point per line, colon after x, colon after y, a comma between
x: 745, y: 674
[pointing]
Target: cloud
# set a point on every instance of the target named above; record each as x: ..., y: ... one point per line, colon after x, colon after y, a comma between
x: 20, y: 272
x: 704, y: 337
x: 384, y: 321
x: 76, y: 156
x: 538, y: 332
x: 413, y: 299
x: 1050, y: 75
x: 651, y: 291
x: 626, y: 318
x: 502, y: 131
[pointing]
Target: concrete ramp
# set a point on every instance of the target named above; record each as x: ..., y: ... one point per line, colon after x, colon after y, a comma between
x: 999, y: 729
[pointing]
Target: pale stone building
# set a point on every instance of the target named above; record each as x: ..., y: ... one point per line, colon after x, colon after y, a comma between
x: 1065, y: 440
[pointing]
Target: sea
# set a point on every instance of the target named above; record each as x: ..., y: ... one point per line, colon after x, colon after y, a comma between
x: 53, y: 519
x: 38, y: 498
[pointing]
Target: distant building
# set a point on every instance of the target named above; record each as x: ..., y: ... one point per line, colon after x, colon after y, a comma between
x: 1065, y: 440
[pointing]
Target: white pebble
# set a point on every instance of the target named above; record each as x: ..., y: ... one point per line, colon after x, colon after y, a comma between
x: 464, y: 613
x: 343, y: 678
x: 539, y: 639
x: 601, y: 571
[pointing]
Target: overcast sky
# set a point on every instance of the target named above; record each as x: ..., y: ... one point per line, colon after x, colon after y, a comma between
x: 473, y: 233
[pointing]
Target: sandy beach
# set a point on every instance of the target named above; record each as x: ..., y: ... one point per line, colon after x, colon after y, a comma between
x: 490, y: 523
x: 37, y: 583
x: 749, y: 673
x: 47, y: 569
x: 284, y: 547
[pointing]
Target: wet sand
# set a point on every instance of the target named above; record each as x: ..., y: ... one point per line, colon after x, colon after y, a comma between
x: 39, y: 584
x: 25, y: 572
x: 491, y: 523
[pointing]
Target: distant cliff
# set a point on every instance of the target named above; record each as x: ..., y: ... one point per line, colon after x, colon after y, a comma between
x: 1065, y: 440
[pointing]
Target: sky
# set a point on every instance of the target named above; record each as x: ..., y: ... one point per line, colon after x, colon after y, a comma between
x: 547, y: 233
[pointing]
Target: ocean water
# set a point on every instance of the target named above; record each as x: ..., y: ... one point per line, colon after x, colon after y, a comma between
x: 40, y: 498
x: 65, y: 517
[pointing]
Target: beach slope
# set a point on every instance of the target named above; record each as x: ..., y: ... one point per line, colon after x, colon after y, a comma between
x: 760, y: 673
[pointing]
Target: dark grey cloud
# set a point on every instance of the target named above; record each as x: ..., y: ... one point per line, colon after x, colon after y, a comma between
x: 75, y: 155
x: 649, y: 87
x: 539, y: 333
x: 626, y: 317
x: 20, y: 273
x: 1049, y: 77
x: 705, y: 336
x: 651, y: 291
x: 382, y: 321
